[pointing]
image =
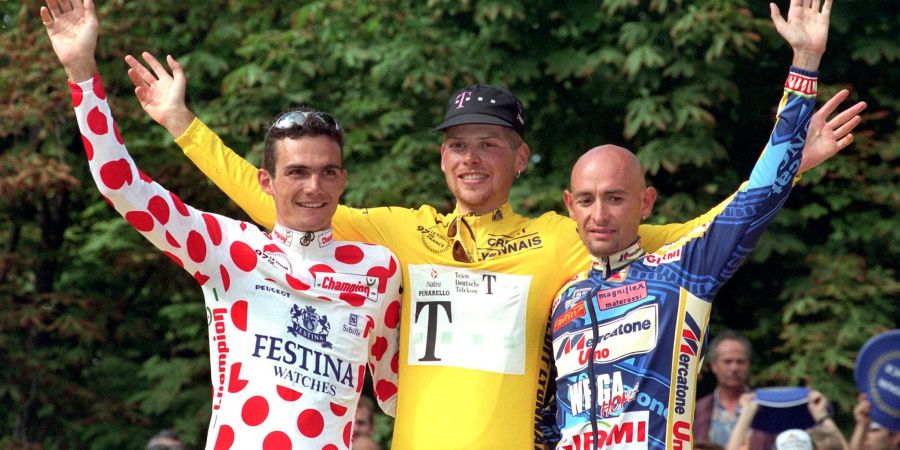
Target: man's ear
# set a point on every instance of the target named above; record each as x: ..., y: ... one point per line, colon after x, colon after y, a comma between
x: 266, y: 181
x: 522, y: 154
x: 570, y: 202
x: 648, y: 198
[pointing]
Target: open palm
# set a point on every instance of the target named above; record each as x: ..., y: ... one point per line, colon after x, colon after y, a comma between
x: 806, y: 27
x: 72, y: 27
x: 161, y: 94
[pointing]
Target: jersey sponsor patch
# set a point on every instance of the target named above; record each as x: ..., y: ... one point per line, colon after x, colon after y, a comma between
x: 629, y: 431
x: 622, y: 295
x: 568, y: 316
x: 633, y: 334
x: 467, y: 318
x: 363, y: 285
x: 655, y: 259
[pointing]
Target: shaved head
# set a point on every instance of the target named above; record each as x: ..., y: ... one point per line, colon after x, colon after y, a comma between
x: 620, y: 158
x: 608, y: 199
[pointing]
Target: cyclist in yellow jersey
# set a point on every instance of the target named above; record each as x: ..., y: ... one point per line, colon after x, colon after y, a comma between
x: 478, y: 282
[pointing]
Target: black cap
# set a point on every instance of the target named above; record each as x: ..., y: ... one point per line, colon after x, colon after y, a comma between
x: 484, y: 104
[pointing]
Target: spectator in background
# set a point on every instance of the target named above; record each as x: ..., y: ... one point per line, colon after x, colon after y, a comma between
x: 363, y: 424
x: 165, y: 440
x: 869, y: 435
x: 717, y: 413
x: 824, y: 436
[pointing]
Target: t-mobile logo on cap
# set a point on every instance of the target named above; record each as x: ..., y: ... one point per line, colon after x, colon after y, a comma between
x: 462, y: 98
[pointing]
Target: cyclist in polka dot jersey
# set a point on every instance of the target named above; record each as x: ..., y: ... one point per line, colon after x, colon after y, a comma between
x: 294, y: 316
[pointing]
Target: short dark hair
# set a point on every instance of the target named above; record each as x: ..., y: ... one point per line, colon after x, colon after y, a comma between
x: 728, y: 335
x: 312, y: 127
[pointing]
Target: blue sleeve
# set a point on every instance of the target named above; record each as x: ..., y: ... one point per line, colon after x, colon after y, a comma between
x: 713, y: 254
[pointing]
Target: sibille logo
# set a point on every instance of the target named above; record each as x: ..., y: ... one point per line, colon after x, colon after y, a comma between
x: 309, y: 324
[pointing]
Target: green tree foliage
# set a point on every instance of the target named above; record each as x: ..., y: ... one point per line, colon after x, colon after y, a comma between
x: 103, y: 340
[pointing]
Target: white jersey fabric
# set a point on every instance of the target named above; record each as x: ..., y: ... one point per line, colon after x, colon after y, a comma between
x: 293, y: 317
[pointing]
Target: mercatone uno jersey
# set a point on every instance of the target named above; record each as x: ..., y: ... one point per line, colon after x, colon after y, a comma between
x: 627, y: 334
x: 294, y: 317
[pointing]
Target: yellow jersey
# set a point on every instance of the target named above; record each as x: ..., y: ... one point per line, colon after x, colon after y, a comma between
x: 474, y: 359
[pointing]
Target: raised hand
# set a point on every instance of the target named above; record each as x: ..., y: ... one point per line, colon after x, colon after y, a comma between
x: 827, y: 137
x: 72, y: 26
x: 161, y: 94
x: 806, y: 30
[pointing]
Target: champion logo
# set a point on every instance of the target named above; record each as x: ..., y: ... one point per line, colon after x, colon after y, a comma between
x: 362, y: 285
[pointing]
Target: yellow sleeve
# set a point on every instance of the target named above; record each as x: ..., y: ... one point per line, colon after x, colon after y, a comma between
x: 655, y: 236
x: 232, y: 174
x: 352, y: 224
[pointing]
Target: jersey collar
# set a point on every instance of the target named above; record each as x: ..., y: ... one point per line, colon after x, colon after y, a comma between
x: 302, y: 240
x: 497, y: 215
x: 608, y: 265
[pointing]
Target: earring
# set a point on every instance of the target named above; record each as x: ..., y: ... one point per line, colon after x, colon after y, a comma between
x: 518, y: 172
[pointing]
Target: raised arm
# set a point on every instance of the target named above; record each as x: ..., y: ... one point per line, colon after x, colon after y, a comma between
x: 162, y: 95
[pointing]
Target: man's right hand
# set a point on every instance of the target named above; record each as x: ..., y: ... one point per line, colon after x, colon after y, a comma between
x: 72, y: 27
x: 161, y: 94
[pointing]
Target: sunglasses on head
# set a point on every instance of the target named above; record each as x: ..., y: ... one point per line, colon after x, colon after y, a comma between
x: 299, y: 119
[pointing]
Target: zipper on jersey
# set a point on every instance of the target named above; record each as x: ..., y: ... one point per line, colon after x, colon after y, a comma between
x: 592, y: 376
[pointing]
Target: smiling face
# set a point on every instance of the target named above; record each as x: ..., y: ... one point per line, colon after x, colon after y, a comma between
x: 608, y: 199
x: 480, y: 162
x: 307, y: 183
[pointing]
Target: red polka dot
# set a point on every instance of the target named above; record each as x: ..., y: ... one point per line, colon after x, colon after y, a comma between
x: 140, y: 220
x: 370, y: 324
x: 243, y: 256
x: 392, y: 315
x: 239, y: 315
x: 174, y: 258
x: 277, y: 440
x: 323, y: 298
x: 361, y: 372
x: 115, y: 174
x: 352, y: 298
x: 243, y: 226
x: 77, y: 94
x: 288, y: 394
x: 118, y: 135
x: 226, y: 278
x: 385, y: 389
x: 272, y: 248
x: 96, y: 122
x: 255, y: 410
x: 330, y: 447
x: 171, y: 240
x: 395, y: 362
x: 213, y: 229
x: 379, y: 347
x: 348, y: 433
x: 295, y: 283
x: 348, y: 254
x: 144, y: 177
x: 159, y: 208
x: 382, y: 274
x: 235, y: 383
x: 225, y: 438
x: 338, y: 410
x: 201, y: 279
x: 88, y: 148
x: 98, y: 88
x: 196, y: 246
x: 310, y: 423
x: 320, y: 268
x: 179, y: 205
x: 392, y: 267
